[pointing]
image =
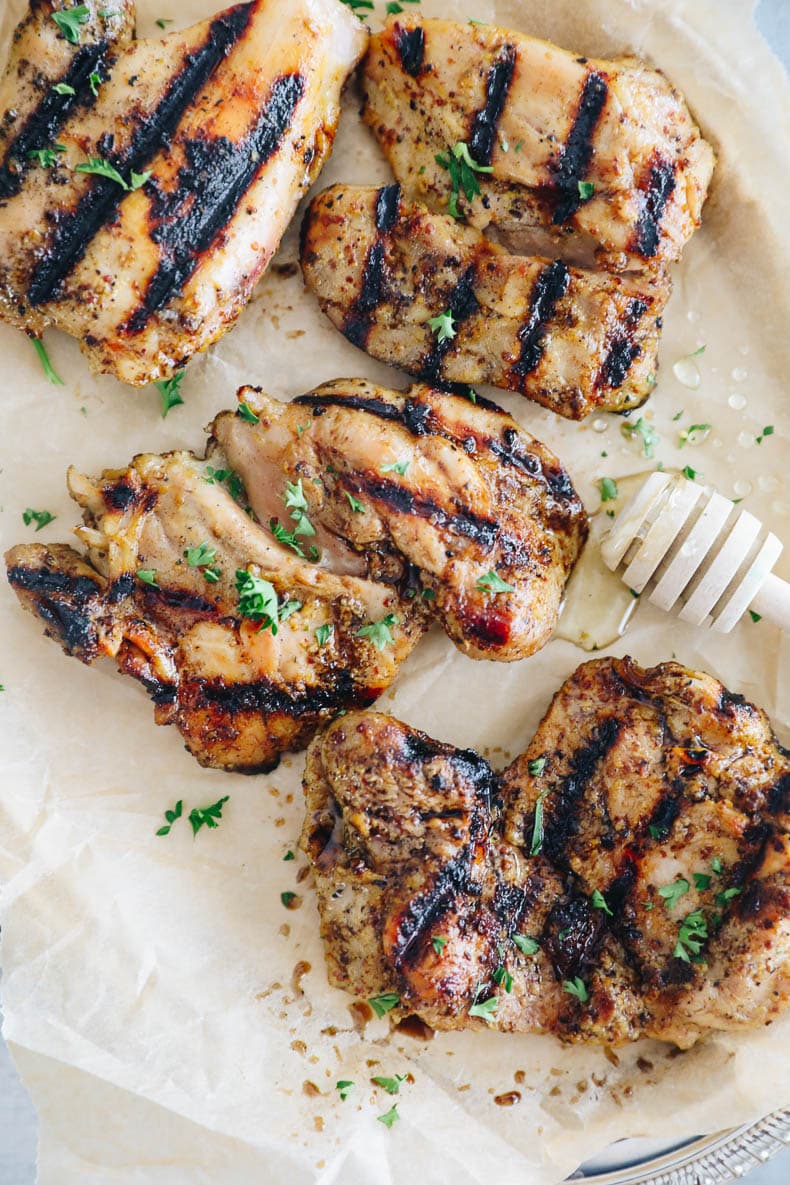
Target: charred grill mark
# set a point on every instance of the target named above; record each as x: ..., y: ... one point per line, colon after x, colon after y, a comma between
x: 62, y: 601
x: 178, y: 598
x: 374, y: 407
x: 417, y: 417
x: 779, y: 795
x: 423, y: 911
x: 484, y: 126
x: 462, y: 304
x: 120, y: 496
x: 573, y: 932
x: 664, y: 813
x: 264, y: 696
x: 624, y: 350
x: 359, y: 321
x: 547, y: 291
x: 410, y: 44
x: 121, y: 588
x: 564, y: 799
x: 75, y: 229
x: 42, y: 124
x: 210, y: 186
x: 658, y: 189
x: 574, y: 159
x: 482, y: 531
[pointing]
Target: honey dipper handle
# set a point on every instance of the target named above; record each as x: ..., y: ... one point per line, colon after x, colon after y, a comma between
x: 773, y: 602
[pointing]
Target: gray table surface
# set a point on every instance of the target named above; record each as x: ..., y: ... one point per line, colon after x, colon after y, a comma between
x: 17, y: 1117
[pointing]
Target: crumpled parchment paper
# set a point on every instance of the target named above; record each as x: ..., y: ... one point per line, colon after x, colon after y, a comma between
x: 148, y: 982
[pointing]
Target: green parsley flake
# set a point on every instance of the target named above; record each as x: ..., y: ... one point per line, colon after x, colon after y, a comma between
x: 391, y: 1085
x: 46, y: 365
x: 297, y: 506
x: 384, y: 1003
x: 536, y: 766
x: 692, y: 933
x: 69, y: 20
x: 727, y: 896
x: 491, y: 583
x: 97, y: 167
x: 396, y: 467
x: 170, y: 391
x: 672, y: 893
x: 257, y: 599
x: 245, y: 412
x: 527, y: 946
x: 39, y: 517
x: 164, y: 21
x: 486, y: 1009
x: 207, y: 816
x: 95, y: 79
x: 608, y: 488
x: 463, y: 170
x: 503, y: 977
x: 443, y: 326
x: 755, y: 616
x: 695, y: 434
x: 576, y: 987
x: 716, y: 866
x: 656, y: 830
x: 354, y: 503
x: 344, y: 1086
x: 63, y: 88
x: 289, y: 855
x: 46, y: 158
x: 586, y: 190
x: 701, y: 881
x: 598, y: 901
x: 147, y: 576
x: 171, y: 817
x: 379, y: 632
x: 392, y: 1115
x: 690, y: 473
x: 287, y: 898
x: 537, y: 827
x: 288, y: 609
x: 200, y: 556
x: 438, y: 944
x: 644, y: 431
x: 324, y: 632
x: 767, y: 431
x: 357, y: 5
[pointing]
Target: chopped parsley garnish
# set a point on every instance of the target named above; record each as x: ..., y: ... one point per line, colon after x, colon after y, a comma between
x: 690, y: 473
x: 672, y: 893
x: 391, y: 1116
x: 727, y: 895
x: 755, y: 616
x: 536, y: 766
x: 95, y: 79
x: 695, y: 434
x: 297, y: 507
x: 438, y: 944
x: 598, y: 901
x: 287, y: 897
x: 586, y: 190
x: 227, y: 477
x: 164, y: 21
x: 46, y: 365
x: 527, y: 946
x: 354, y: 503
x: 537, y: 827
x: 701, y: 881
x: 384, y: 1003
x: 170, y: 391
x: 519, y: 145
x: 691, y: 935
x: 391, y: 1085
x: 471, y: 394
x: 716, y: 865
x: 171, y: 817
x: 428, y: 594
x: 98, y: 167
x: 767, y: 431
x: 576, y: 987
x: 207, y: 816
x: 486, y: 1009
x: 645, y: 431
x: 147, y: 576
x: 344, y: 1086
x: 396, y: 467
x: 393, y: 7
x: 245, y: 412
x: 286, y: 537
x: 356, y: 5
x: 324, y: 632
x: 39, y: 517
x: 656, y: 830
x: 288, y: 609
x: 63, y: 88
x: 200, y: 556
x: 492, y: 583
x: 46, y: 158
x: 463, y: 170
x: 289, y: 855
x: 257, y: 599
x: 379, y: 632
x: 443, y: 326
x: 608, y: 488
x: 502, y: 976
x: 69, y: 21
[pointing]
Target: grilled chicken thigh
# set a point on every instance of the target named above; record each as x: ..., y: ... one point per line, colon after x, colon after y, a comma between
x: 451, y: 498
x: 628, y: 875
x: 606, y: 150
x: 436, y: 298
x: 200, y: 145
x: 242, y: 645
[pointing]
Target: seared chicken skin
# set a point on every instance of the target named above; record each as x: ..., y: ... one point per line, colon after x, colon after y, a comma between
x: 628, y: 876
x: 242, y: 645
x: 601, y: 149
x: 432, y: 296
x: 198, y: 147
x: 450, y: 498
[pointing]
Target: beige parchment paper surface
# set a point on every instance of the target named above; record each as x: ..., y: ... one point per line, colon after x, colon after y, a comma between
x: 148, y: 982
